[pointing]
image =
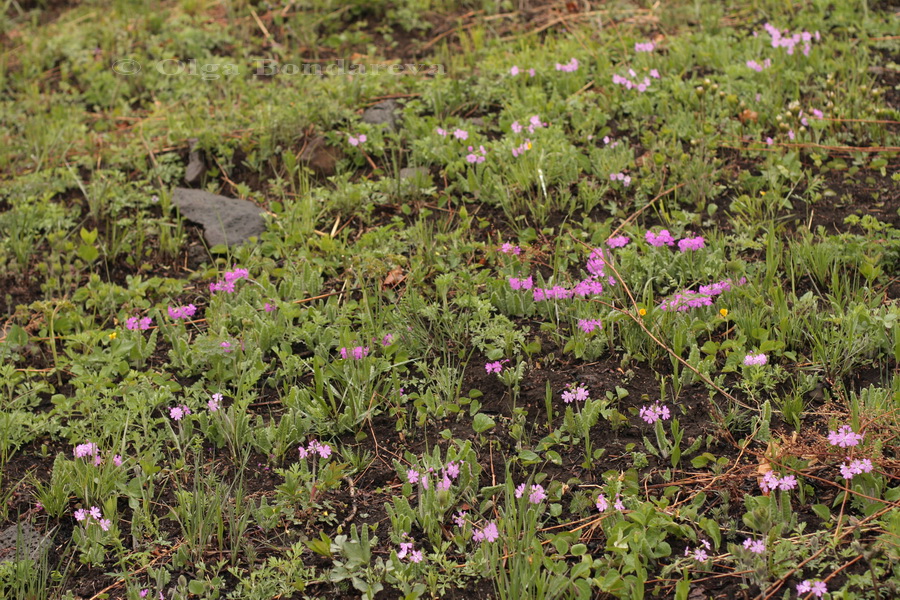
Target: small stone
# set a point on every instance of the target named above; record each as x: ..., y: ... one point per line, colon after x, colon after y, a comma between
x: 319, y: 156
x: 227, y: 221
x: 384, y: 113
x: 196, y: 166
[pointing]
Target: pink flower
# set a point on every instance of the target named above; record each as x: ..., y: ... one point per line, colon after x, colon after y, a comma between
x: 521, y: 284
x: 508, y: 248
x: 452, y: 469
x: 268, y: 307
x: 387, y: 340
x: 213, y: 402
x: 618, y: 241
x: 856, y: 467
x: 95, y: 513
x: 652, y: 414
x: 416, y: 556
x: 81, y: 514
x: 490, y: 532
x: 134, y: 323
x: 493, y: 367
x: 663, y: 238
x: 602, y: 504
x: 356, y: 141
x: 695, y: 243
x: 412, y: 476
x: 117, y: 460
x: 405, y: 548
x: 461, y: 134
x: 569, y: 67
x: 182, y: 312
x: 644, y: 47
x: 844, y: 437
x: 618, y: 505
x: 104, y: 524
x: 574, y: 392
x: 179, y: 412
x: 755, y: 360
x: 460, y: 519
x: 755, y: 546
x: 654, y: 73
x: 86, y: 449
x: 514, y: 70
x: 531, y: 72
x: 441, y: 132
x: 589, y: 325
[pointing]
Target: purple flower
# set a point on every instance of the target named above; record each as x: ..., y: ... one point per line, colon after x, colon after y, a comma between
x: 490, y: 532
x: 269, y: 307
x: 755, y: 360
x: 452, y: 469
x: 755, y: 546
x: 618, y: 241
x: 589, y: 325
x: 182, y: 312
x: 86, y: 449
x: 663, y: 238
x: 844, y: 437
x: 493, y: 367
x: 569, y: 67
x: 460, y: 519
x: 652, y: 414
x: 694, y: 243
x: 387, y: 340
x: 134, y: 323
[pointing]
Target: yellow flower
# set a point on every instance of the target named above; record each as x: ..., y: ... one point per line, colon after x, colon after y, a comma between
x: 642, y: 312
x: 112, y: 336
x: 762, y: 192
x: 723, y: 312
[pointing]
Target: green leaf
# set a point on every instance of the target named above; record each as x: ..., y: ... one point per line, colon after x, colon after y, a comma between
x: 88, y: 253
x: 482, y: 423
x: 88, y: 237
x: 196, y: 587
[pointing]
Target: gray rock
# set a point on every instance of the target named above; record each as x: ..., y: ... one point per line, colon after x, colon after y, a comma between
x: 384, y: 113
x: 224, y: 220
x: 23, y: 536
x: 196, y: 166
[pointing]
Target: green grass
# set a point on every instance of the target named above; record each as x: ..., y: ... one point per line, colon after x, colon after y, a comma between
x: 376, y: 309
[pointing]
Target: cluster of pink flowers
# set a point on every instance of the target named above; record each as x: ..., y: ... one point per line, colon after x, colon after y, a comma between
x: 625, y: 179
x: 269, y: 307
x: 602, y: 503
x: 93, y: 514
x: 182, y: 312
x: 780, y: 39
x: 536, y: 493
x: 610, y: 142
x: 521, y: 284
x: 663, y: 238
x: 177, y: 413
x: 476, y: 156
x: 356, y: 353
x: 844, y: 437
x: 357, y: 140
x: 533, y: 123
x: 314, y: 447
x: 632, y: 83
x: 618, y: 242
x: 406, y: 549
x: 575, y: 392
x: 521, y: 149
x: 449, y: 473
x: 134, y: 323
x: 488, y: 533
x: 508, y: 248
x: 214, y: 402
x: 514, y: 70
x: 755, y: 546
x: 655, y: 412
x: 816, y: 588
x: 644, y: 46
x: 691, y: 243
x: 856, y: 467
x: 699, y: 553
x: 227, y: 284
x: 496, y: 366
x: 88, y: 449
x: 387, y: 340
x: 569, y: 67
x: 589, y: 325
x: 755, y: 360
x: 759, y: 68
x: 771, y: 481
x: 460, y: 134
x: 687, y: 299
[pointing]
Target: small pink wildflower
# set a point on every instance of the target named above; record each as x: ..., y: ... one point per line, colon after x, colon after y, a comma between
x: 514, y: 70
x: 356, y: 141
x: 182, y: 312
x: 508, y: 248
x: 856, y: 467
x: 461, y: 134
x: 755, y: 360
x: 575, y: 392
x: 86, y: 449
x: 569, y: 67
x: 755, y: 546
x: 653, y: 413
x: 589, y: 325
x: 213, y: 403
x: 644, y: 47
x: 617, y: 242
x: 521, y: 284
x: 844, y: 437
x: 602, y: 503
x: 694, y: 243
x: 663, y: 238
x: 493, y: 367
x: 134, y: 323
x: 117, y: 460
x: 268, y: 307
